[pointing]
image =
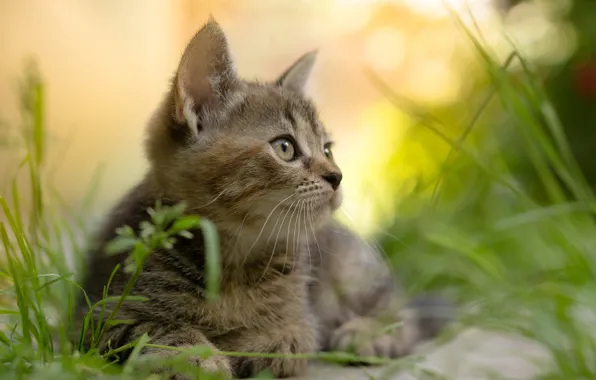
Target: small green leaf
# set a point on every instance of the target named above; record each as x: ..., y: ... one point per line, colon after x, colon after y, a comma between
x: 146, y: 230
x: 115, y: 322
x: 186, y: 234
x: 158, y: 218
x: 185, y: 223
x: 4, y: 339
x: 174, y: 212
x: 121, y: 244
x: 125, y: 231
x: 6, y: 312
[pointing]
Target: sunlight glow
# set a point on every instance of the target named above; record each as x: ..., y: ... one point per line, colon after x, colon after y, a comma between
x: 433, y: 81
x: 386, y: 48
x: 438, y: 8
x: 382, y: 129
x: 348, y: 19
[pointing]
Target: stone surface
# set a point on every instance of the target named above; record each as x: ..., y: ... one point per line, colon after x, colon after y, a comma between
x: 473, y: 355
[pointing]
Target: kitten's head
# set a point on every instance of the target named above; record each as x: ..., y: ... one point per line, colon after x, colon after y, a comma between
x: 240, y: 151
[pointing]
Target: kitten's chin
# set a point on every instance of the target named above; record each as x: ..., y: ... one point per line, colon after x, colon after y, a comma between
x: 336, y: 199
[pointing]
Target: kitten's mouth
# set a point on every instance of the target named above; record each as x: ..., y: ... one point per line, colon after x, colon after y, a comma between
x: 336, y: 199
x: 317, y: 207
x: 327, y: 203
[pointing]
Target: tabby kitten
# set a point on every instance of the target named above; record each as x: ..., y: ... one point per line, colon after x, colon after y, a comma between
x: 254, y: 158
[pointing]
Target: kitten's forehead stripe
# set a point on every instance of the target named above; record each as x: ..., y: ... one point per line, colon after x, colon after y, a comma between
x: 290, y: 117
x: 274, y: 111
x: 307, y: 113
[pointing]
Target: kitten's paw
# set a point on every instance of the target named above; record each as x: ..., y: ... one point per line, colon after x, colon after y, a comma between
x: 215, y: 364
x: 219, y: 365
x: 283, y: 342
x: 282, y: 367
x: 367, y: 337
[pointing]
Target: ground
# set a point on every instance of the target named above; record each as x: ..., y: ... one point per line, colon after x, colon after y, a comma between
x: 473, y: 355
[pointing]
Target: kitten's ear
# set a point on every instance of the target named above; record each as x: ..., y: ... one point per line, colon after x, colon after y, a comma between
x: 296, y: 76
x: 205, y: 74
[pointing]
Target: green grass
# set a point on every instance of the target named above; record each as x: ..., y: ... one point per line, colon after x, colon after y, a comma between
x: 509, y: 224
x: 506, y: 227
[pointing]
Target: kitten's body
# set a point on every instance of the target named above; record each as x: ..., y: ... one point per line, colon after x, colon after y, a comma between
x: 293, y: 280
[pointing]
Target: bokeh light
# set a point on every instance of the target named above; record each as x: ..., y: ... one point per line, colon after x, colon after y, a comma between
x: 385, y: 49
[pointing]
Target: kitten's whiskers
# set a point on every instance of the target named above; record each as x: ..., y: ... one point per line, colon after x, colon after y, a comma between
x: 213, y: 200
x: 307, y: 205
x: 265, y: 224
x: 290, y: 226
x: 237, y: 233
x: 296, y: 243
x: 314, y: 234
x: 275, y: 243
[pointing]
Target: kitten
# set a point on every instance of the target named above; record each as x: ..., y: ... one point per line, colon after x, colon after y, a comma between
x: 256, y: 160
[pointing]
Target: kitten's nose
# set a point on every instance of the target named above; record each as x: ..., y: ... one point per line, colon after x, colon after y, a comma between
x: 334, y: 179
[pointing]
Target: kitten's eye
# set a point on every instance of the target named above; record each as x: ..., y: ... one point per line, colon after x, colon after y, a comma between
x: 327, y: 151
x: 284, y: 148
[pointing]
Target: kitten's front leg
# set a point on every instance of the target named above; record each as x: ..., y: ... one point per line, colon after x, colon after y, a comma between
x: 368, y: 336
x: 184, y: 336
x: 296, y: 336
x: 357, y: 298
